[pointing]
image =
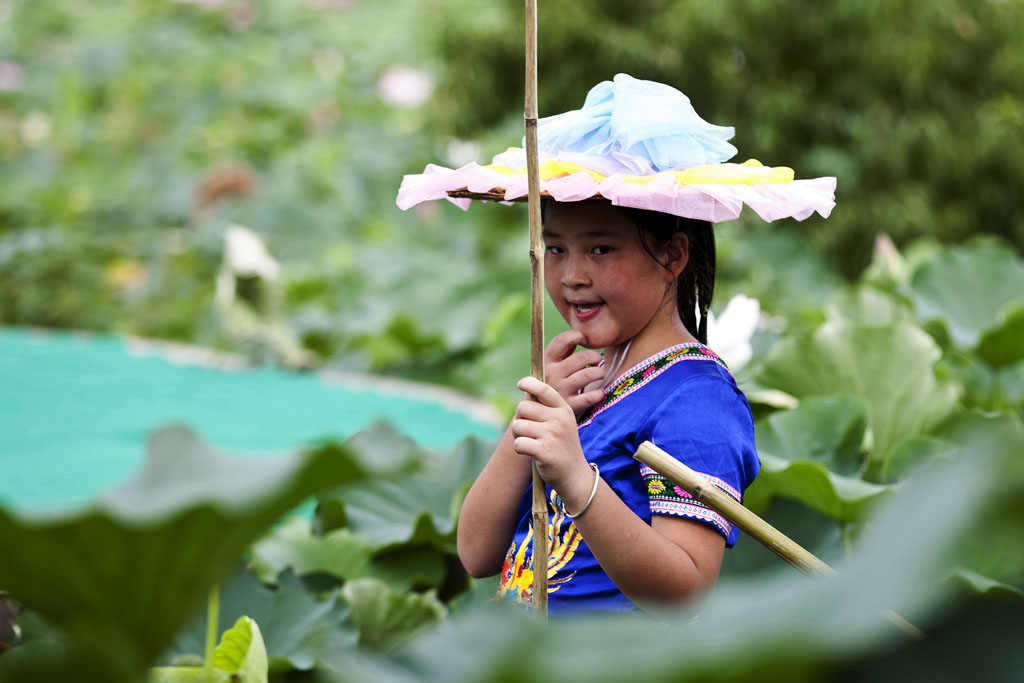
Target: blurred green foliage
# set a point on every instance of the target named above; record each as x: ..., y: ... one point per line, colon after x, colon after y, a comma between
x: 132, y: 133
x: 916, y: 108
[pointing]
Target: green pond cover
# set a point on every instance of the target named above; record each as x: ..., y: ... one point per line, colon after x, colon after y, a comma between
x: 76, y: 410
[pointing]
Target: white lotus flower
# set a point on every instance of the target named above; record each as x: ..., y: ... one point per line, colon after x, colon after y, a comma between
x: 245, y: 254
x: 458, y: 153
x: 35, y: 127
x: 729, y: 335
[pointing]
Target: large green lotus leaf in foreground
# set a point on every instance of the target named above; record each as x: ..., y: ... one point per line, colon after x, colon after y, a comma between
x: 891, y: 369
x: 778, y: 627
x: 968, y: 289
x: 996, y: 549
x: 123, y: 576
x: 813, y: 454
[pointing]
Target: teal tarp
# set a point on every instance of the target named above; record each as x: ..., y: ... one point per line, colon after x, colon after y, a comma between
x: 75, y: 411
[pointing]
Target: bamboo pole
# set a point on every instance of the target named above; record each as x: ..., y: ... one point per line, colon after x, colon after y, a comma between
x: 540, y: 503
x: 710, y: 495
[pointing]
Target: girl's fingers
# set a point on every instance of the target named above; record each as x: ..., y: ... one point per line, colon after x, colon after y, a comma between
x: 580, y: 361
x: 585, y: 400
x: 562, y: 345
x: 533, y: 411
x: 587, y: 376
x: 543, y: 392
x: 524, y: 445
x: 526, y: 427
x: 576, y: 384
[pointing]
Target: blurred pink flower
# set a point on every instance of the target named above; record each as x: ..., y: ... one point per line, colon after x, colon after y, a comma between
x: 404, y: 86
x: 11, y: 75
x: 208, y: 4
x: 336, y: 4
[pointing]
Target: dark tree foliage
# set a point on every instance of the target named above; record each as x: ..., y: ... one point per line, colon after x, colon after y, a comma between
x: 917, y: 108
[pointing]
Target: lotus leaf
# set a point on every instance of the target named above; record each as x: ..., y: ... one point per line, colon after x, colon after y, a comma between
x: 1004, y: 344
x: 968, y: 288
x: 339, y: 552
x: 241, y: 657
x: 891, y: 369
x: 384, y: 619
x: 298, y: 628
x: 134, y: 567
x: 813, y: 454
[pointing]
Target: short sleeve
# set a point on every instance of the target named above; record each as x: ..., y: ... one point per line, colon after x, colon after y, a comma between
x: 706, y: 424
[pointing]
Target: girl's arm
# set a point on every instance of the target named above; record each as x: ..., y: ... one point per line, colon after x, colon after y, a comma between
x: 487, y: 520
x: 668, y: 560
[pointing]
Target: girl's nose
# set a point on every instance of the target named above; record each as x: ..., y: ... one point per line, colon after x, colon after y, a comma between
x: 575, y: 273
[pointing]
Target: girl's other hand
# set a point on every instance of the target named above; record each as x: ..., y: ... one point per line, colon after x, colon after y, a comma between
x: 545, y: 430
x: 570, y: 373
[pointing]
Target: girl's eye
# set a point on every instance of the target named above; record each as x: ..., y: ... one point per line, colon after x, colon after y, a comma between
x: 553, y: 250
x: 601, y: 250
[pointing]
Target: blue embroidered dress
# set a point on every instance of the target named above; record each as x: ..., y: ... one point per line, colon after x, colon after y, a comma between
x: 683, y: 400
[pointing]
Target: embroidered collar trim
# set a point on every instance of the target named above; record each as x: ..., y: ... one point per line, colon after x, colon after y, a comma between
x: 645, y: 371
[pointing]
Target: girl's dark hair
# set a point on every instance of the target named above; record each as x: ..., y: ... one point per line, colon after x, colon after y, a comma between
x: 695, y: 286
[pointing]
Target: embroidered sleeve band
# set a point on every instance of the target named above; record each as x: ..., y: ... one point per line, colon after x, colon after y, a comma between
x: 668, y: 499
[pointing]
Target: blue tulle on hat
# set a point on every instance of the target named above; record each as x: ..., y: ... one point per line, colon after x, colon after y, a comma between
x: 636, y: 144
x: 644, y: 126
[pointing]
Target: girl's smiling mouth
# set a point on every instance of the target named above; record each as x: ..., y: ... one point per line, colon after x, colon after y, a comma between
x: 586, y: 311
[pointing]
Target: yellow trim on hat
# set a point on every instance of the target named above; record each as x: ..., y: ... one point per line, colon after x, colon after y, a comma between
x: 750, y: 172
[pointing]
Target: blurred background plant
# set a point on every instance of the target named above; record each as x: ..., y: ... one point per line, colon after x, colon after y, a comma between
x: 138, y: 136
x: 134, y: 133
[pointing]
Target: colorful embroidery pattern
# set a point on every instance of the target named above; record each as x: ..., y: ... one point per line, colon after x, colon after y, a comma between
x: 646, y: 371
x: 517, y: 570
x: 668, y: 499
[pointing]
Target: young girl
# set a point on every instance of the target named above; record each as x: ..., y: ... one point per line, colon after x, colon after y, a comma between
x: 636, y: 284
x: 624, y: 280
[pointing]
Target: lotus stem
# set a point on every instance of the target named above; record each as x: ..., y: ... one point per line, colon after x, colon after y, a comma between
x: 212, y: 621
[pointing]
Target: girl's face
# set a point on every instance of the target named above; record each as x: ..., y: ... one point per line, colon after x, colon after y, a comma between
x: 600, y: 277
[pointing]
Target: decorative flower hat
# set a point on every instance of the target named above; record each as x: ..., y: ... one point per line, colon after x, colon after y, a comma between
x: 637, y: 144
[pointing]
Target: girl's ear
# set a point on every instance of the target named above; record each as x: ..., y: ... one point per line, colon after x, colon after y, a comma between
x: 678, y: 254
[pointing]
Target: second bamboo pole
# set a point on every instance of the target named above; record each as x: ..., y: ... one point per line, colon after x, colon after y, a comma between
x: 770, y: 537
x: 711, y: 496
